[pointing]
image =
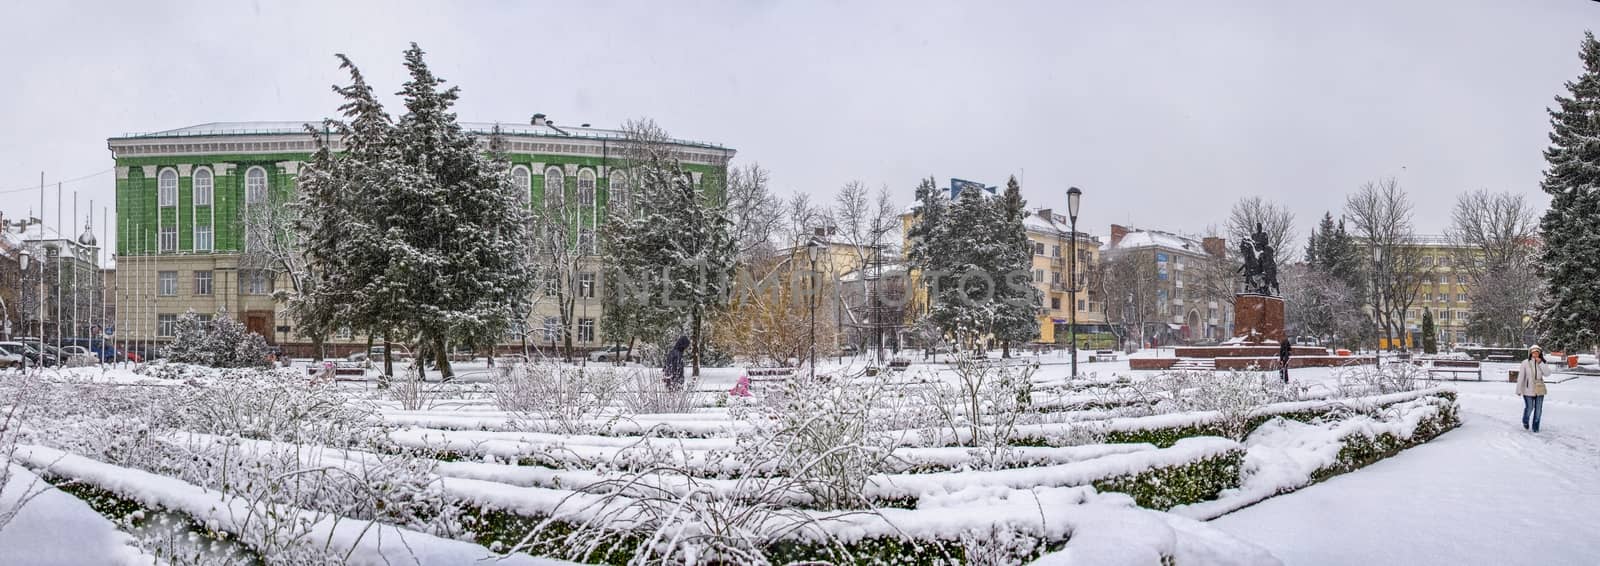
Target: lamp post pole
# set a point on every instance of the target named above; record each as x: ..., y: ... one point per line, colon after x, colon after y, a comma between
x: 1074, y: 194
x: 813, y: 249
x: 1377, y: 316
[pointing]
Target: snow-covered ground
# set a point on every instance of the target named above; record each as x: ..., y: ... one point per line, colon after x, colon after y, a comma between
x: 1486, y: 493
x: 54, y: 528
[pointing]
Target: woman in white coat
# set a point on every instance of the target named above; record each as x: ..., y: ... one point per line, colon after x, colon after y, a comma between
x: 1530, y: 385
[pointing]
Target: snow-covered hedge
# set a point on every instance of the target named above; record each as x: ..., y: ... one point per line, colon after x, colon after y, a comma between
x: 312, y: 537
x: 1285, y: 455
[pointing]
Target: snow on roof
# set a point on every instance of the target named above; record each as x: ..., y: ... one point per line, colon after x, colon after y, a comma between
x: 482, y: 128
x: 1156, y: 238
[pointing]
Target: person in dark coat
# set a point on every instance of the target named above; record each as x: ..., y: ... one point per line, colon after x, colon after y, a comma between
x: 1284, y: 350
x: 674, y: 364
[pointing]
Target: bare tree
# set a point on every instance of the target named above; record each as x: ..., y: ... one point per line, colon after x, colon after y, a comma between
x: 1130, y: 284
x: 755, y: 211
x: 1274, y: 219
x: 864, y: 220
x: 1380, y: 213
x: 1495, y: 237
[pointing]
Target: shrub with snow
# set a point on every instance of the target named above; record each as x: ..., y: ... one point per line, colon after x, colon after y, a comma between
x: 220, y: 342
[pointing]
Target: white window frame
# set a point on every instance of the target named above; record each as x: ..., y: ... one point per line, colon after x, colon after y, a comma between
x: 204, y: 237
x: 166, y: 283
x: 167, y: 188
x: 522, y: 179
x: 204, y: 286
x: 586, y: 330
x: 166, y: 325
x: 167, y: 239
x: 553, y: 175
x: 203, y: 191
x: 617, y: 189
x: 586, y: 187
x: 256, y: 193
x: 586, y: 285
x: 551, y: 330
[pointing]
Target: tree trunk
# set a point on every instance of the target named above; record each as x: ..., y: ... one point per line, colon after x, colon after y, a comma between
x: 388, y: 360
x: 694, y: 321
x: 442, y: 358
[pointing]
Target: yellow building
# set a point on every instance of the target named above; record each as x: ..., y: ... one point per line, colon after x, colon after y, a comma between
x: 1444, y: 291
x: 1052, y: 243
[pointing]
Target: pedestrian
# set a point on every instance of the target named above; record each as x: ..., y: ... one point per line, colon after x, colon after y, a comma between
x: 1530, y: 385
x: 673, y: 369
x: 1284, y: 350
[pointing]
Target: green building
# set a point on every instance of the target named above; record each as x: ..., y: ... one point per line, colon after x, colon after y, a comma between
x: 194, y: 204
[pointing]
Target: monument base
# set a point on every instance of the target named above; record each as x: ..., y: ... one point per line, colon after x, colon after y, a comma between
x: 1257, y: 319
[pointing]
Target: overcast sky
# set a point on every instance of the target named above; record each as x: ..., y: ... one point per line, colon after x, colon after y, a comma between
x: 1163, y: 112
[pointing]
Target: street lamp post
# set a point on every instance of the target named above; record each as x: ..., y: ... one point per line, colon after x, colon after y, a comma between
x: 1377, y: 316
x: 1074, y: 194
x: 23, y: 257
x: 813, y: 251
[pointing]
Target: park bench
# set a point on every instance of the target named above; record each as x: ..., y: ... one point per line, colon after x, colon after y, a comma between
x: 768, y: 372
x: 1105, y: 356
x: 1501, y: 358
x: 1455, y: 368
x: 340, y: 370
x: 899, y: 364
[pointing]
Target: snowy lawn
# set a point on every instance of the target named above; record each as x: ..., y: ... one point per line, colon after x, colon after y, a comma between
x: 1012, y: 461
x: 1487, y: 493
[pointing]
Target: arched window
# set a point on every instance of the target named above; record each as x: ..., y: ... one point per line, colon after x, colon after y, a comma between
x: 555, y: 187
x: 586, y: 187
x: 167, y: 187
x: 523, y: 182
x: 202, y: 187
x: 255, y: 186
x: 617, y: 193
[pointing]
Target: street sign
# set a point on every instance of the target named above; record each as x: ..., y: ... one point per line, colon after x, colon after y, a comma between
x: 111, y: 330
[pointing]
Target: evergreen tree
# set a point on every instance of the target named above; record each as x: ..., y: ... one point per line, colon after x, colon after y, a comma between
x: 1430, y: 334
x: 1570, y: 318
x: 1017, y: 301
x: 456, y: 236
x: 670, y: 261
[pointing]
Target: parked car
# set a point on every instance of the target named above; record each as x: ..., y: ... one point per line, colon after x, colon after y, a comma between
x: 10, y: 356
x: 34, y: 356
x: 103, y: 350
x: 611, y: 354
x: 78, y: 356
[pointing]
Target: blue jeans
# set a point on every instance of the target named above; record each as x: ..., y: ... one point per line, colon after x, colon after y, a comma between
x: 1533, y: 404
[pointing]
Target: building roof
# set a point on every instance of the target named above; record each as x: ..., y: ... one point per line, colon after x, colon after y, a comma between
x: 481, y: 128
x: 1157, y: 238
x: 1059, y: 224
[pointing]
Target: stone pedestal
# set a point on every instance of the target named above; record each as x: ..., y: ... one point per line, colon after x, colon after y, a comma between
x: 1258, y: 318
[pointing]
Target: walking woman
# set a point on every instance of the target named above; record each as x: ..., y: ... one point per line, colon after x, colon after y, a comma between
x: 1530, y: 385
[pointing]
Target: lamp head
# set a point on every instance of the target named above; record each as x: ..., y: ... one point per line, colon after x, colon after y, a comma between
x: 814, y: 249
x: 1073, y: 195
x: 23, y: 257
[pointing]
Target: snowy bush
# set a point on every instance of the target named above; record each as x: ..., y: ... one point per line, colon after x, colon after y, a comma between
x: 265, y: 406
x: 219, y: 342
x: 548, y: 395
x: 644, y: 392
x: 982, y: 408
x: 825, y: 435
x: 1375, y: 380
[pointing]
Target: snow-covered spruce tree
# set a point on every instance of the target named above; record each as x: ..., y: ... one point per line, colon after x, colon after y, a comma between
x: 344, y: 203
x: 1570, y: 318
x: 926, y: 253
x: 963, y: 301
x: 672, y: 257
x: 1017, y: 301
x: 455, y: 226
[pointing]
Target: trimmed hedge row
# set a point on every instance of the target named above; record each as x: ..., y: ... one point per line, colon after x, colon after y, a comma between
x: 501, y: 530
x: 1360, y: 450
x: 1168, y: 487
x: 126, y: 512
